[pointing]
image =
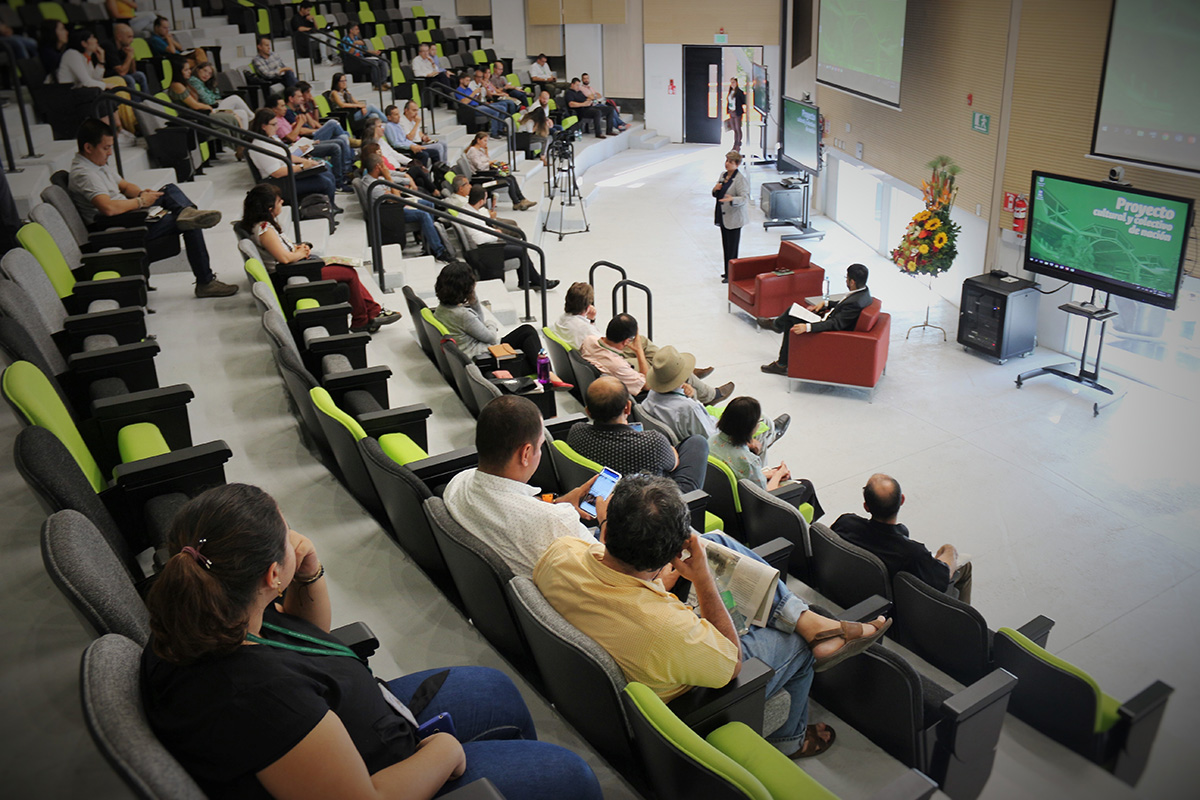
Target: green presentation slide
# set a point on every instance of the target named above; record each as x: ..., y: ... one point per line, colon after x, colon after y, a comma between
x: 864, y: 36
x: 1112, y: 232
x: 800, y: 133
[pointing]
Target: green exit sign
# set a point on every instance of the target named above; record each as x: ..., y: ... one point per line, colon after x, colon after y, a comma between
x: 980, y: 122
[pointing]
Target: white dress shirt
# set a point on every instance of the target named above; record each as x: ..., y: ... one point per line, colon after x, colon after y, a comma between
x: 510, y: 517
x: 537, y: 70
x: 574, y: 328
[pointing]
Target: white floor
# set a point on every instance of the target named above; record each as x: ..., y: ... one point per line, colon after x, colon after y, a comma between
x: 1091, y: 521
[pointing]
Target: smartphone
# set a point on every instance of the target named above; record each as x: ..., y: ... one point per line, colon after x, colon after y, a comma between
x: 637, y: 426
x: 602, y: 487
x: 442, y: 723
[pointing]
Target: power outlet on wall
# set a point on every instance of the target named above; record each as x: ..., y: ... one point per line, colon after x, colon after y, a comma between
x: 858, y: 150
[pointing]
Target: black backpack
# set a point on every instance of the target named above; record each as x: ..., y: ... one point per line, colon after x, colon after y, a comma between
x: 317, y: 206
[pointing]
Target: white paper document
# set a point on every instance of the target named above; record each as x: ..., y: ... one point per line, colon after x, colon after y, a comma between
x: 803, y: 314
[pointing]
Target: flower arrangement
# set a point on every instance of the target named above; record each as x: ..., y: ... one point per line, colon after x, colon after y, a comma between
x: 928, y: 247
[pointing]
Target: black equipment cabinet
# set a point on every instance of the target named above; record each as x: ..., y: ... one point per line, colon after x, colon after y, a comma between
x: 998, y: 316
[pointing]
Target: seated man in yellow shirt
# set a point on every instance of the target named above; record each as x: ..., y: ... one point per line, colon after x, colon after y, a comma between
x: 616, y: 592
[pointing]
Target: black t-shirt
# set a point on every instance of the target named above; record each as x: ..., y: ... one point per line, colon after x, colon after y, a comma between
x: 573, y: 96
x: 622, y: 448
x: 893, y: 547
x: 229, y: 717
x: 113, y: 57
x: 298, y: 22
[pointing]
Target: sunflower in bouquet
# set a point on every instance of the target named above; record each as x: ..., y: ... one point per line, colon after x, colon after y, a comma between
x: 928, y: 246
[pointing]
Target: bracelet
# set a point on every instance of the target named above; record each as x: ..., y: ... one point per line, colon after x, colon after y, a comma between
x: 139, y: 199
x: 305, y: 581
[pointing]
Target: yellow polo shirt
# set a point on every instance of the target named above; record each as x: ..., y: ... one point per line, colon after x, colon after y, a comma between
x: 656, y: 639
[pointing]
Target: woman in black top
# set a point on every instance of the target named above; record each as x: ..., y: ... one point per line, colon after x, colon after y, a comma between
x: 735, y: 102
x: 243, y: 683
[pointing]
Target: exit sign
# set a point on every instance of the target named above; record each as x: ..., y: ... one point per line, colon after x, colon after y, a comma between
x: 720, y: 38
x: 980, y: 122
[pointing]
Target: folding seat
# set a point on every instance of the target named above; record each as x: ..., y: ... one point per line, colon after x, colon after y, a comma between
x: 1067, y: 704
x: 60, y: 106
x: 844, y: 572
x: 67, y: 267
x: 557, y: 349
x: 415, y: 304
x: 765, y: 515
x: 92, y: 241
x: 311, y: 304
x: 458, y: 361
x: 435, y: 331
x: 583, y: 371
x: 732, y: 763
x: 726, y: 493
x: 483, y: 389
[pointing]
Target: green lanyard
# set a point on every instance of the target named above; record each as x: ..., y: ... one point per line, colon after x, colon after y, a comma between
x: 323, y: 647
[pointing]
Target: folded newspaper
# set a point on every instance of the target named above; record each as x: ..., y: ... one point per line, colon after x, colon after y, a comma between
x: 747, y: 586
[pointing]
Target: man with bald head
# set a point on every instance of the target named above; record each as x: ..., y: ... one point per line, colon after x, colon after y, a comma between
x: 119, y: 59
x: 888, y: 539
x: 611, y: 442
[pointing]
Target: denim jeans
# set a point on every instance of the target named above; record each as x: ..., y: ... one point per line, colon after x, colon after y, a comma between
x: 23, y: 46
x: 498, y: 736
x: 317, y: 182
x: 429, y: 231
x: 331, y: 152
x: 137, y: 80
x: 174, y: 200
x: 371, y: 111
x: 781, y: 648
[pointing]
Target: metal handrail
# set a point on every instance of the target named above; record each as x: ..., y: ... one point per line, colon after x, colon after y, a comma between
x: 10, y: 48
x: 609, y: 265
x: 242, y: 138
x: 464, y: 217
x: 510, y: 138
x: 623, y: 285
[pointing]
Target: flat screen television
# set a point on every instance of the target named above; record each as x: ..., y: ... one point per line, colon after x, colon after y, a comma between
x: 758, y: 82
x: 1128, y: 242
x: 800, y: 123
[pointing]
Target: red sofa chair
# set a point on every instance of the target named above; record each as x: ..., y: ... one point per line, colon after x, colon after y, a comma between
x: 843, y: 358
x: 756, y: 289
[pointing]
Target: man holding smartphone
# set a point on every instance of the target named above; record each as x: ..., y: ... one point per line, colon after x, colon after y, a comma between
x: 495, y: 501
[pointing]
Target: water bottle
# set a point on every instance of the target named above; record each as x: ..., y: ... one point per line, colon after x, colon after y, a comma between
x: 825, y: 294
x: 543, y: 367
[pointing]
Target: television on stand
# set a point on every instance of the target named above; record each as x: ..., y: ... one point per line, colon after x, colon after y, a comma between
x: 801, y: 140
x: 758, y: 85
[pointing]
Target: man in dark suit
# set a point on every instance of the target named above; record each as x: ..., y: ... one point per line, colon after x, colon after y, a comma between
x: 888, y: 540
x: 841, y: 316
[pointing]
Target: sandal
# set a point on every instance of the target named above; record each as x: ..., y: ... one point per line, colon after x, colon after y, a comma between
x: 813, y: 744
x: 855, y: 644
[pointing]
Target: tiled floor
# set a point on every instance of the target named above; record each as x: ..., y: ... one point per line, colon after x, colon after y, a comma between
x: 1091, y: 521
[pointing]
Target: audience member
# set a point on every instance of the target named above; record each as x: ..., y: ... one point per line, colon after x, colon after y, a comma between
x: 260, y: 218
x: 403, y: 132
x: 119, y: 60
x: 474, y: 98
x: 22, y: 46
x: 53, y: 36
x: 481, y: 161
x: 621, y: 352
x: 601, y: 102
x: 889, y: 540
x: 183, y: 93
x: 360, y: 48
x: 427, y: 65
x: 460, y: 196
x: 305, y: 124
x: 841, y: 316
x: 482, y: 85
x: 610, y: 441
x: 477, y: 199
x: 616, y: 592
x: 271, y: 66
x: 341, y: 98
x: 583, y: 108
x: 409, y: 168
x: 495, y: 501
x: 334, y: 150
x: 742, y: 441
x: 82, y: 62
x: 127, y: 10
x: 163, y: 42
x: 204, y: 84
x: 375, y: 173
x: 244, y: 684
x: 98, y: 190
x: 302, y: 22
x: 537, y: 124
x: 506, y: 87
x: 312, y: 177
x: 540, y: 73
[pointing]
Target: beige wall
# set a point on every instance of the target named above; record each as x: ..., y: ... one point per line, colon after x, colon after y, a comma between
x: 952, y: 48
x: 624, y: 55
x: 473, y: 8
x: 750, y: 22
x: 1055, y: 89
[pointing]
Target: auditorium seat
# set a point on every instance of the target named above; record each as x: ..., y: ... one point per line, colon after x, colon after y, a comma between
x: 854, y: 358
x: 756, y: 287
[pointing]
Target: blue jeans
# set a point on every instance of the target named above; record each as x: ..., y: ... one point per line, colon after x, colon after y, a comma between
x: 498, y: 736
x: 137, y: 80
x: 331, y: 152
x: 23, y: 46
x: 372, y: 111
x: 781, y: 648
x: 317, y: 182
x: 174, y: 200
x: 429, y: 231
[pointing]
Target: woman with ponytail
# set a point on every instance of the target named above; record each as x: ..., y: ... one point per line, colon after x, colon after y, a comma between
x: 244, y: 684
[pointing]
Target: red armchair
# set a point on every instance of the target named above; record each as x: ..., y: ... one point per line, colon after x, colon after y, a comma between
x: 843, y: 358
x: 756, y: 289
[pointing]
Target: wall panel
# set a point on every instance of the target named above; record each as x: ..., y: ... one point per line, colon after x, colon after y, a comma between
x: 750, y: 22
x: 624, y: 56
x: 473, y: 8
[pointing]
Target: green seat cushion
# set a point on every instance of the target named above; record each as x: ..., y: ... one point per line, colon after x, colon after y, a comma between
x: 37, y: 240
x: 306, y: 302
x: 141, y: 440
x: 1106, y: 707
x: 733, y: 487
x: 105, y: 275
x: 32, y: 394
x: 570, y: 453
x: 427, y: 315
x: 712, y: 522
x: 688, y: 742
x: 778, y: 773
x: 258, y: 273
x: 556, y: 338
x: 401, y: 449
x: 806, y: 511
x: 324, y: 403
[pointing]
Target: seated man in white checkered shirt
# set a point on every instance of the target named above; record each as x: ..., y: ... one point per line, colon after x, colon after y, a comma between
x: 496, y: 503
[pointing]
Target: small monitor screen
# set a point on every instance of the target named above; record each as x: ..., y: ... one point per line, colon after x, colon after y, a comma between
x: 758, y: 78
x: 801, y: 135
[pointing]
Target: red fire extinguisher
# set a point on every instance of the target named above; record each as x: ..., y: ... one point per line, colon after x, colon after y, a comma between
x: 1020, y: 209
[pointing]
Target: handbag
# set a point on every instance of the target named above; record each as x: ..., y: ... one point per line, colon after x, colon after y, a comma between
x: 729, y: 123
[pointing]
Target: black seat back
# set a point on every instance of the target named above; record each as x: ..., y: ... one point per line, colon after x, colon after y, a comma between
x: 584, y: 372
x: 944, y: 631
x: 415, y: 304
x: 458, y: 361
x: 765, y: 517
x: 843, y: 572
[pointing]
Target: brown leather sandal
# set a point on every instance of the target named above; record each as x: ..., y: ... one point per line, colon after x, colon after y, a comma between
x: 813, y: 744
x: 856, y: 642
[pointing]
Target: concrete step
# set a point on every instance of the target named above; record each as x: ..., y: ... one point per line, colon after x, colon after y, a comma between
x: 651, y: 142
x: 27, y: 186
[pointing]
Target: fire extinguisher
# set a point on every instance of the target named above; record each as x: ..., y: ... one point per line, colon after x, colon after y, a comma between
x: 1020, y: 209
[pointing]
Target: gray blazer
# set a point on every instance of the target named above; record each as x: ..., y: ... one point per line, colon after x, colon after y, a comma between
x: 736, y: 214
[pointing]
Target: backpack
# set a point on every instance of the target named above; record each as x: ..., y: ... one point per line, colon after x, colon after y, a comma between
x: 317, y: 206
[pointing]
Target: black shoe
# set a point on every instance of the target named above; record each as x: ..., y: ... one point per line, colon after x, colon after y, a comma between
x: 774, y: 368
x: 724, y: 279
x: 766, y: 323
x: 371, y: 327
x: 338, y: 210
x: 781, y: 425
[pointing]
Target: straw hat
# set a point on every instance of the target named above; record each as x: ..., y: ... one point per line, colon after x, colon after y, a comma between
x: 669, y: 369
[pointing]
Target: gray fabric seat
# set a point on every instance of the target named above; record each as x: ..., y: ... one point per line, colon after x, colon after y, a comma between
x: 112, y: 709
x: 22, y: 268
x: 89, y: 574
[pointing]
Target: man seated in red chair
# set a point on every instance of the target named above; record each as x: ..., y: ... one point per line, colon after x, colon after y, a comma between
x: 840, y: 316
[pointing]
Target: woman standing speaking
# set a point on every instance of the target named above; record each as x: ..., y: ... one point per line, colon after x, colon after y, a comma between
x: 731, y: 212
x: 735, y: 102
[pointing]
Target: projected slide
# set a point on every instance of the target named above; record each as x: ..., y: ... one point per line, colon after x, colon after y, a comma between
x: 860, y: 47
x: 1148, y: 110
x: 800, y: 137
x: 1112, y: 233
